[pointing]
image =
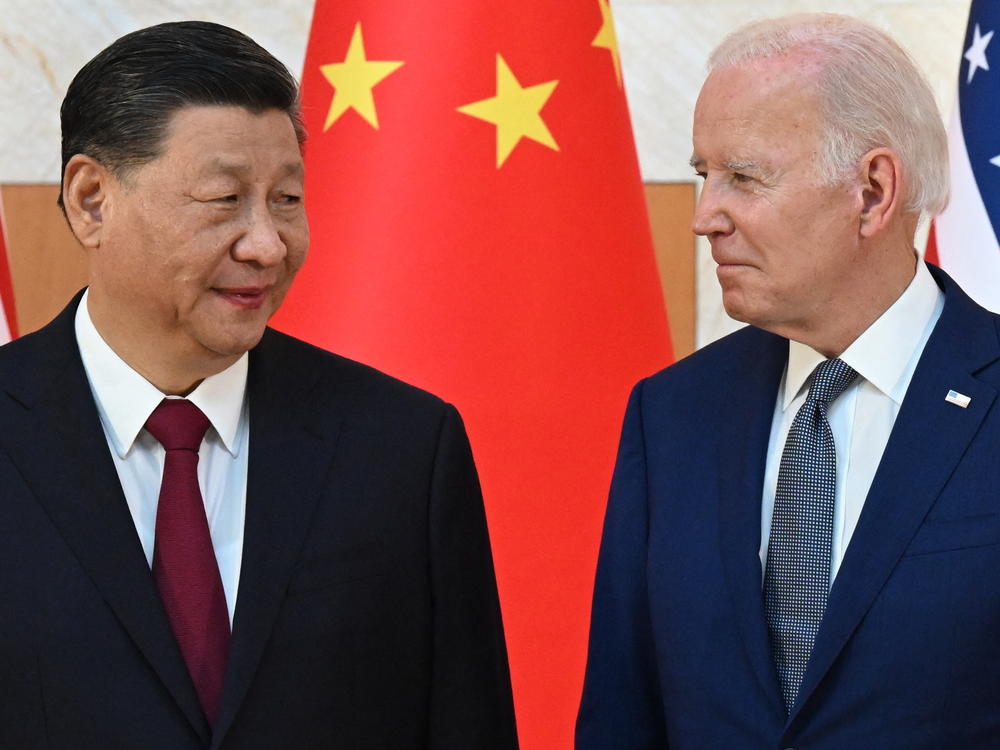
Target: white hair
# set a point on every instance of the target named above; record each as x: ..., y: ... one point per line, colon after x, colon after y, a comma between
x: 872, y: 95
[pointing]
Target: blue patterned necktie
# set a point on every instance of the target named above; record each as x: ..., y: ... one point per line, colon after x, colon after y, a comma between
x: 797, y: 575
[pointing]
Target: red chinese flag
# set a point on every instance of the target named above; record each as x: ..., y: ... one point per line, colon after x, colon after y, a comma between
x: 8, y: 324
x: 479, y: 230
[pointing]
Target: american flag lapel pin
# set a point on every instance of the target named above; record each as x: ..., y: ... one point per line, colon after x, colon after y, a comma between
x: 959, y: 399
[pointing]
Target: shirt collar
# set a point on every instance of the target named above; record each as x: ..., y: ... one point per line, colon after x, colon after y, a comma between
x: 886, y: 353
x: 125, y: 399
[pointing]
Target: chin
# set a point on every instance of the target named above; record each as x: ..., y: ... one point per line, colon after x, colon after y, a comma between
x: 756, y: 307
x: 236, y: 344
x: 736, y: 309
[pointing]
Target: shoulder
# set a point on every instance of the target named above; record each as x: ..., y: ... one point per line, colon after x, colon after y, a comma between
x: 690, y: 397
x: 958, y: 304
x: 284, y: 363
x: 717, y: 364
x: 965, y: 337
x: 28, y: 363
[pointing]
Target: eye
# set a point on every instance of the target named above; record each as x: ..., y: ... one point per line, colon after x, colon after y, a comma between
x: 702, y: 175
x: 740, y: 177
x: 226, y: 199
x: 290, y: 200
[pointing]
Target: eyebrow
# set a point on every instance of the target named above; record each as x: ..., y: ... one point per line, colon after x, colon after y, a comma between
x: 218, y: 166
x: 733, y: 164
x: 736, y: 165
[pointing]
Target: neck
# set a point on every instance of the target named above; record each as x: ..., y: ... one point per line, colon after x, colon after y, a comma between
x: 172, y: 372
x: 850, y: 311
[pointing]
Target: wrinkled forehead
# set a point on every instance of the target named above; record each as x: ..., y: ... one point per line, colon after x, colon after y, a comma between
x: 759, y: 107
x: 792, y: 78
x: 206, y: 141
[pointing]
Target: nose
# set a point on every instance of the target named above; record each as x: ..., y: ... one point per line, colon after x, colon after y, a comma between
x: 710, y: 215
x: 261, y: 242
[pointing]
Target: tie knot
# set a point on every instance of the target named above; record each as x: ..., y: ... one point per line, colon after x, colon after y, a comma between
x: 177, y: 424
x: 831, y: 379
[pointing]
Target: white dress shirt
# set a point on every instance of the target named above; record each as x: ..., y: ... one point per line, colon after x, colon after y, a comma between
x: 125, y: 400
x: 884, y: 356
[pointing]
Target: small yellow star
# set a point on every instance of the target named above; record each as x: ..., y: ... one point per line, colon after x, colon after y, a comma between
x: 515, y: 110
x: 606, y: 39
x: 353, y: 81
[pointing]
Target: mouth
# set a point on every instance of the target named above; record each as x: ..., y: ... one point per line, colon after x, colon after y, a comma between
x: 244, y: 298
x: 726, y: 262
x: 730, y: 271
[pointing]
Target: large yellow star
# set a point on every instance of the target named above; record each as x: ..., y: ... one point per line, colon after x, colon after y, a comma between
x: 353, y: 81
x: 515, y: 110
x: 606, y: 38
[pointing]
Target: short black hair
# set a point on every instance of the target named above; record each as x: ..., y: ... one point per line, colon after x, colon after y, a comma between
x: 118, y: 106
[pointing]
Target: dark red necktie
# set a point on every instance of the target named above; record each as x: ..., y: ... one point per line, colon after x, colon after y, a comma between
x: 184, y: 565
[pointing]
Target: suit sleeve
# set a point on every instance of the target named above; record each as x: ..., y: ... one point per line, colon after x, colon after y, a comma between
x: 471, y: 702
x: 621, y: 706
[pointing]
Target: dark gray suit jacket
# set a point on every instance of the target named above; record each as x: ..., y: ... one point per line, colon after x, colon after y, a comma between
x: 366, y: 616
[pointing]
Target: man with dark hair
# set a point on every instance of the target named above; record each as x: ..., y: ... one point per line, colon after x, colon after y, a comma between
x: 215, y: 535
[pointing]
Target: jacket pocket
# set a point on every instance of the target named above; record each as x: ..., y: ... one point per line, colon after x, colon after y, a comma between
x: 947, y: 534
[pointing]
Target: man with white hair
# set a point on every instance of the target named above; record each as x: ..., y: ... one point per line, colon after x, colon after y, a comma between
x: 802, y: 542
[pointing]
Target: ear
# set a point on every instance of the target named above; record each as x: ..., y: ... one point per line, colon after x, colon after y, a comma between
x: 881, y: 190
x: 86, y: 184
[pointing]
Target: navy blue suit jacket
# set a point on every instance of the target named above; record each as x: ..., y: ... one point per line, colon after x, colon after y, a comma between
x: 366, y: 616
x: 908, y: 654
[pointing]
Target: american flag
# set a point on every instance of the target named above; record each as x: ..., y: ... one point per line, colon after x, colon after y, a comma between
x: 966, y: 233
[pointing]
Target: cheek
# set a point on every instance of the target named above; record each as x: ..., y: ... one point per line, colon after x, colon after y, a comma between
x: 797, y: 238
x: 297, y: 245
x: 186, y: 275
x: 131, y: 263
x: 777, y: 242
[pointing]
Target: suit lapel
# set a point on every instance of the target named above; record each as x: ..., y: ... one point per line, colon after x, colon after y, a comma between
x: 291, y: 449
x: 749, y: 410
x: 927, y: 442
x: 53, y: 418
